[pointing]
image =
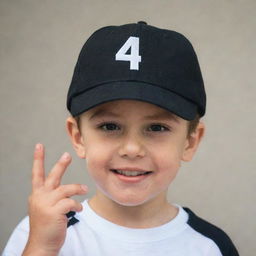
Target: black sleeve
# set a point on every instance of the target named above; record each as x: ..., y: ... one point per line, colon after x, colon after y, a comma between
x: 207, y: 229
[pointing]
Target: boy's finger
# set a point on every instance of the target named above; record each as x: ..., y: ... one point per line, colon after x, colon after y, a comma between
x: 38, y: 167
x: 65, y: 191
x: 67, y: 204
x: 53, y: 179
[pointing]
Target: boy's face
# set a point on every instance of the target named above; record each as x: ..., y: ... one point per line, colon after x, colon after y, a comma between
x: 129, y: 135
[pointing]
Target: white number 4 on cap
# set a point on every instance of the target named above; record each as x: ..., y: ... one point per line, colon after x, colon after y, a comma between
x: 133, y: 57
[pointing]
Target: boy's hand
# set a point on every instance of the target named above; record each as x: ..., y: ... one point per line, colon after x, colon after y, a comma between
x: 48, y: 205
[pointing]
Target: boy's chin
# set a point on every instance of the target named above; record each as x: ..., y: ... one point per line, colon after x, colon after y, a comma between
x: 130, y: 202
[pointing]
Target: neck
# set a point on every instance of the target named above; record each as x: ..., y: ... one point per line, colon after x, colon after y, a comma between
x: 153, y: 213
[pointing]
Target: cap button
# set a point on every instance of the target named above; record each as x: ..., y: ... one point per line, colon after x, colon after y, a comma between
x: 142, y: 22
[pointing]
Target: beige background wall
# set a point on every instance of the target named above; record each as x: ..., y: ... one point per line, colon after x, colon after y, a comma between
x: 39, y: 45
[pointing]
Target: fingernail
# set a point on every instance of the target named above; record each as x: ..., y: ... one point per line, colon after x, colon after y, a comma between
x: 65, y: 156
x: 38, y: 147
x: 84, y: 187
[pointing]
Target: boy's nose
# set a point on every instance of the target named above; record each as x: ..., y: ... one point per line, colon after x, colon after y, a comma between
x: 132, y: 147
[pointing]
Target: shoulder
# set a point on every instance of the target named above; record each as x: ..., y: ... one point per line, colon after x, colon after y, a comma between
x: 23, y: 227
x: 19, y: 234
x: 221, y: 239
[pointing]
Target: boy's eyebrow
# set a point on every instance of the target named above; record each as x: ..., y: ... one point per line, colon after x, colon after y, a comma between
x: 161, y: 115
x: 102, y: 112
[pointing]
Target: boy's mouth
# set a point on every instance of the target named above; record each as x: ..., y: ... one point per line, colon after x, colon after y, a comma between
x: 129, y: 173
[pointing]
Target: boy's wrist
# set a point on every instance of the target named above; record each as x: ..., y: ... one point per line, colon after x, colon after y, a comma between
x: 38, y: 252
x: 31, y: 250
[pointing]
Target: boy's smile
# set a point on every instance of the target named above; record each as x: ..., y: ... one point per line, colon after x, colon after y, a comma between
x: 133, y: 150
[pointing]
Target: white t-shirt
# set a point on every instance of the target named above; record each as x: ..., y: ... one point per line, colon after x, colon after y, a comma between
x: 185, y: 235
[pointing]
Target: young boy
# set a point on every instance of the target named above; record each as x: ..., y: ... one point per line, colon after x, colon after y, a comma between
x: 135, y: 100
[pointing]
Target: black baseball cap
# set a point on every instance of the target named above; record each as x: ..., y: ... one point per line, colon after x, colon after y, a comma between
x: 140, y: 62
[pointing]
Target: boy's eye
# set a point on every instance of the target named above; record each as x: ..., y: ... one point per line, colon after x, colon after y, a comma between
x: 109, y: 127
x: 158, y: 128
x: 115, y: 127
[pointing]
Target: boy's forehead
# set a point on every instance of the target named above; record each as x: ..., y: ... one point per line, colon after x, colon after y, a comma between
x: 120, y: 107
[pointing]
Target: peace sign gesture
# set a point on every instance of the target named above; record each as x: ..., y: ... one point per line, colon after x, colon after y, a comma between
x: 49, y: 203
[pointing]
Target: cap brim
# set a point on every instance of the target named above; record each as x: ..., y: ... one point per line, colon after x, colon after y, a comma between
x: 135, y: 91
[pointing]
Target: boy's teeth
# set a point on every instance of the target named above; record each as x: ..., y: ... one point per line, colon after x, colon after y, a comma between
x: 130, y: 173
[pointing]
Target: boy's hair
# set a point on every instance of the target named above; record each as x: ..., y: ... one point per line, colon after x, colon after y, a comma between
x: 191, y: 124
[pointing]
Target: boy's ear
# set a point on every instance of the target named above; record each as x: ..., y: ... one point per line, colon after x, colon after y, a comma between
x: 192, y: 142
x: 75, y: 136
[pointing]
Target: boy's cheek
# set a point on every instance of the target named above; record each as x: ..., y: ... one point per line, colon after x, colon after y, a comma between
x: 95, y: 160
